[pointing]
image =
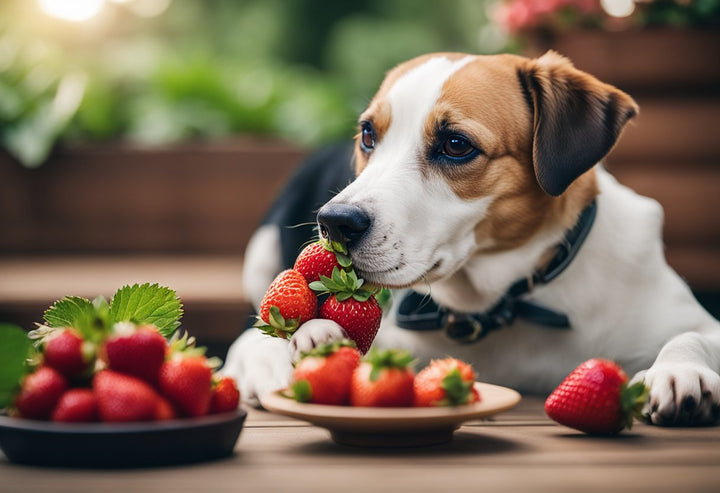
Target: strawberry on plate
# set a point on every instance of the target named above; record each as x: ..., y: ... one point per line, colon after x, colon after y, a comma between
x: 40, y: 393
x: 352, y: 305
x: 595, y: 398
x: 383, y: 379
x: 76, y: 406
x: 445, y: 382
x: 225, y: 396
x: 65, y: 350
x: 320, y: 258
x: 122, y: 398
x: 136, y: 350
x: 287, y: 304
x: 186, y: 380
x: 323, y: 375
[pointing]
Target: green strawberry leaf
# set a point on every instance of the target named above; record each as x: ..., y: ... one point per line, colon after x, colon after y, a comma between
x: 79, y: 313
x: 301, y: 391
x: 457, y: 390
x: 146, y: 304
x: 15, y: 349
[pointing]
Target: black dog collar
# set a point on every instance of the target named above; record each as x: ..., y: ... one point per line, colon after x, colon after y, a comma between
x: 419, y: 312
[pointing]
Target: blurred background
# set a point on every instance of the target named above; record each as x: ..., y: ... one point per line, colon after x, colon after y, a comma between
x: 142, y: 140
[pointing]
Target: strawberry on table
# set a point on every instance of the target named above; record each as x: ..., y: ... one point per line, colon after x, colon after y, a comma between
x: 136, y: 350
x: 76, y: 406
x: 164, y: 410
x: 595, y: 398
x: 287, y: 304
x: 323, y: 375
x: 225, y: 396
x: 186, y: 380
x: 351, y: 305
x: 383, y: 379
x: 123, y: 398
x: 445, y: 382
x: 320, y: 258
x: 65, y: 350
x: 40, y: 393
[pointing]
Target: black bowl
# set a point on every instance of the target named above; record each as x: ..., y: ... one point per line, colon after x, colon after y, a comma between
x: 113, y: 445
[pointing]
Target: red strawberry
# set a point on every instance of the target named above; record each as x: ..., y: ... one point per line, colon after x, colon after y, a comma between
x: 40, y: 393
x: 76, y: 406
x: 595, y: 398
x: 445, y: 382
x: 352, y: 305
x: 136, y: 351
x: 187, y: 382
x: 323, y: 376
x: 383, y: 379
x: 123, y: 397
x: 164, y: 409
x: 360, y: 319
x: 287, y: 304
x: 319, y: 259
x: 225, y: 396
x: 67, y: 353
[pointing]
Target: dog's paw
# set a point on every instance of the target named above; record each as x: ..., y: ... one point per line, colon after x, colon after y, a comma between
x: 681, y: 394
x: 313, y: 333
x: 259, y: 364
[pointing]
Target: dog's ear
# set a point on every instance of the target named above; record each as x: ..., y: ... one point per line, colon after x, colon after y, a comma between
x: 576, y: 119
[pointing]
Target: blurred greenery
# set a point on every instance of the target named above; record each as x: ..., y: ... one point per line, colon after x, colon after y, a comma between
x: 300, y: 70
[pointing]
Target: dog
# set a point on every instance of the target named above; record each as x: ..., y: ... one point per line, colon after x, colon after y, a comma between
x: 480, y: 198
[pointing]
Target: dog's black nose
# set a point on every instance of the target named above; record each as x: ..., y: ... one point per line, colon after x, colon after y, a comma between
x: 342, y: 222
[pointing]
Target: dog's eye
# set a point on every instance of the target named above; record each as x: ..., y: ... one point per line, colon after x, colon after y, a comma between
x: 457, y: 146
x: 367, y: 136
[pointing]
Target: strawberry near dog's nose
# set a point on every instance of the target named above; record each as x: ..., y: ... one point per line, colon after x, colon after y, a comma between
x: 342, y: 222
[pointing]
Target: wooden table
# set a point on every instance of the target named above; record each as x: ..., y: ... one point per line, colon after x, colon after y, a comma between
x: 520, y: 450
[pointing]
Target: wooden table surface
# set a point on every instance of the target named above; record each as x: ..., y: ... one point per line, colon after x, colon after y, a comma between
x: 520, y: 450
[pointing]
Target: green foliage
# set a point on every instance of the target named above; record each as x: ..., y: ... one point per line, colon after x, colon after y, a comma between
x: 299, y: 70
x: 15, y: 349
x: 147, y: 304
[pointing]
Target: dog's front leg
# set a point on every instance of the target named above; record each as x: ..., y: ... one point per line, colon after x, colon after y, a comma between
x: 683, y: 381
x: 259, y: 363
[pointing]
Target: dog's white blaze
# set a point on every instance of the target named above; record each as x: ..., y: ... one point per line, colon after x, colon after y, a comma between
x: 408, y: 239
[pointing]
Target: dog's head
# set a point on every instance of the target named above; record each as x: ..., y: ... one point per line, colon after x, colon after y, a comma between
x: 460, y: 154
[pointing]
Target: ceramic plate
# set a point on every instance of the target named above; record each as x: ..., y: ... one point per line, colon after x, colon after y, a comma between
x: 394, y: 427
x: 111, y: 445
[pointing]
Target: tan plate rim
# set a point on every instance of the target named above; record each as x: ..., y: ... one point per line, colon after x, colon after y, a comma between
x: 494, y: 399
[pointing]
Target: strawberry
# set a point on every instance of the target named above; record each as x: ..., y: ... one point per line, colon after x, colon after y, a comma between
x: 320, y: 258
x: 225, y: 396
x: 76, y: 406
x: 383, y: 379
x: 287, y: 304
x: 123, y: 397
x: 40, y: 393
x: 67, y: 353
x: 595, y: 398
x: 186, y: 380
x: 445, y: 382
x: 351, y: 305
x: 323, y: 375
x: 164, y: 410
x: 137, y: 351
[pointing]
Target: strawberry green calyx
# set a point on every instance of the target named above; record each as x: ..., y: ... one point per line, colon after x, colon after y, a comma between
x: 300, y: 391
x: 344, y: 285
x: 341, y: 254
x: 457, y: 390
x: 388, y: 358
x: 324, y: 350
x: 277, y: 325
x: 632, y: 401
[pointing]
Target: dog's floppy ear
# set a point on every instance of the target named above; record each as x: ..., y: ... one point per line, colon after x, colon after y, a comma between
x: 576, y: 121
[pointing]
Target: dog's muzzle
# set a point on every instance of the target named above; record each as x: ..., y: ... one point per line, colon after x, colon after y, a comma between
x: 342, y: 222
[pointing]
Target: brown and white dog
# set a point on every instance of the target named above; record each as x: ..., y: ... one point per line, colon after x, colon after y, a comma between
x: 471, y: 170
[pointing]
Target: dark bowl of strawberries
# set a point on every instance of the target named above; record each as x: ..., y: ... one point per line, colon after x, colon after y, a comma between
x: 114, y: 384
